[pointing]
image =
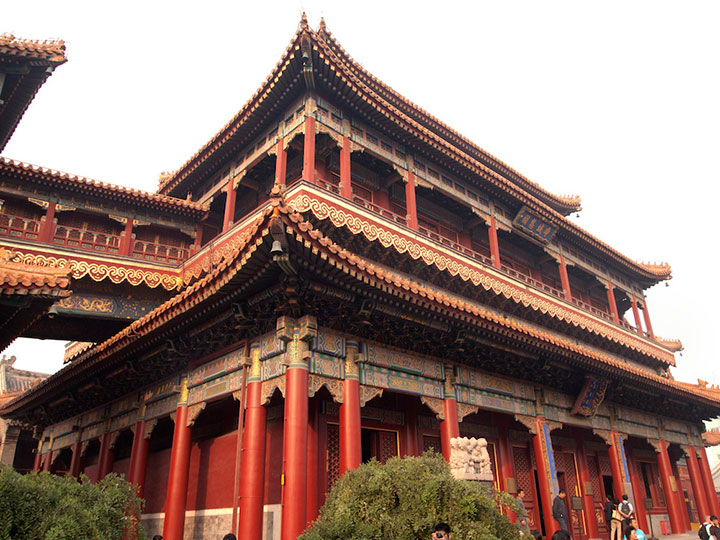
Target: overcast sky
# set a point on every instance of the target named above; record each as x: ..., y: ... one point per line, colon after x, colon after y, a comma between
x: 617, y: 102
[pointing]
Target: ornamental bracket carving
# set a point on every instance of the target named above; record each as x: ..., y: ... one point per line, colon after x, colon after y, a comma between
x: 604, y: 434
x: 436, y: 405
x: 529, y: 422
x: 334, y: 386
x: 369, y: 392
x: 269, y: 387
x: 465, y: 409
x: 194, y: 411
x: 655, y: 443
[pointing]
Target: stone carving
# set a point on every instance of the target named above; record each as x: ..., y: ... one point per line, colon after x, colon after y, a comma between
x: 469, y: 459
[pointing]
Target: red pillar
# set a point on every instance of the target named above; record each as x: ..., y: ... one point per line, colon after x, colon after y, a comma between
x: 105, y: 459
x: 494, y: 246
x: 173, y: 528
x: 587, y: 498
x: 648, y: 325
x: 410, y: 448
x: 449, y: 426
x: 542, y: 447
x: 565, y: 281
x: 313, y: 505
x: 308, y: 172
x: 229, y: 205
x: 75, y: 460
x: 410, y: 204
x: 47, y: 225
x: 253, y: 458
x: 636, y: 316
x: 48, y: 461
x: 126, y: 241
x: 612, y: 303
x: 706, y: 475
x: 668, y: 482
x: 37, y: 464
x: 350, y: 424
x: 138, y: 458
x: 295, y: 459
x: 345, y: 169
x: 281, y: 162
x: 697, y: 483
x: 638, y: 491
x: 506, y: 467
x: 681, y: 498
x: 615, y: 465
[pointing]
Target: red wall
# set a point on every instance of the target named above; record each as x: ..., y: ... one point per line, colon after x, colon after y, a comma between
x: 273, y: 461
x: 211, y: 480
x: 156, y: 477
x: 121, y: 467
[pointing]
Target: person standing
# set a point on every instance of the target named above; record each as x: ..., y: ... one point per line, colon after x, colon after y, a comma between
x: 608, y: 508
x: 559, y: 510
x: 626, y: 511
x: 522, y: 513
x: 616, y: 522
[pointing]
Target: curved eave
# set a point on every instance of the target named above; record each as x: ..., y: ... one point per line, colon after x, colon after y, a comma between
x: 194, y: 297
x: 68, y: 182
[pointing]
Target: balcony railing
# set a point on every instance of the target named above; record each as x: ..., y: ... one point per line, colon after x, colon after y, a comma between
x: 19, y: 227
x: 155, y: 251
x: 380, y: 210
x: 84, y: 239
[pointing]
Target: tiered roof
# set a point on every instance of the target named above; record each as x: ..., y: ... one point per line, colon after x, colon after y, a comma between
x: 27, y: 65
x: 350, y: 83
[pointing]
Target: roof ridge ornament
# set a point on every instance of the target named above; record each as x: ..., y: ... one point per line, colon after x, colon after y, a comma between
x: 304, y: 22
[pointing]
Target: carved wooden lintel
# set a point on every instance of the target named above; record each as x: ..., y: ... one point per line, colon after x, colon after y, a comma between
x: 402, y: 172
x: 269, y: 387
x: 436, y: 405
x: 83, y: 448
x: 334, y: 135
x: 554, y: 425
x: 604, y: 434
x: 334, y: 386
x: 113, y: 439
x: 529, y: 422
x: 194, y: 411
x: 655, y: 443
x: 40, y: 203
x: 369, y: 392
x: 149, y: 427
x: 465, y: 409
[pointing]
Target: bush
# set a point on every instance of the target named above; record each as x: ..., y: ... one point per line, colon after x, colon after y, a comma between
x: 49, y: 507
x: 404, y: 499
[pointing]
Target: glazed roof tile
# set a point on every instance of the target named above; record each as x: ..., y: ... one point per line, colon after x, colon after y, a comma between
x: 52, y: 51
x: 196, y: 294
x: 20, y: 278
x: 79, y: 183
x: 416, y: 121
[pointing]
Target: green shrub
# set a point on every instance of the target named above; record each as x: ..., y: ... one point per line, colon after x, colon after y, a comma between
x: 404, y: 499
x: 50, y: 507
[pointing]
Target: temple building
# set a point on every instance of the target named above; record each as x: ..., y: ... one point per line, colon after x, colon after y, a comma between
x: 337, y: 276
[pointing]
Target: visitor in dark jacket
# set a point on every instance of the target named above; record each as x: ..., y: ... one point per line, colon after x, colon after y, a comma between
x: 559, y: 510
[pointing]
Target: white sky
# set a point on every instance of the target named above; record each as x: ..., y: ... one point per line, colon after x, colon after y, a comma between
x: 615, y: 101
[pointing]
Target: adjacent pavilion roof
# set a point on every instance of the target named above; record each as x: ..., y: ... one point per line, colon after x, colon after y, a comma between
x: 247, y: 264
x: 26, y: 65
x: 349, y: 83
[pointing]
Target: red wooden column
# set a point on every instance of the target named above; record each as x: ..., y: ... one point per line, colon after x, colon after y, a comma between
x: 696, y: 484
x: 47, y: 224
x: 350, y: 424
x: 295, y: 333
x: 106, y: 457
x: 280, y: 162
x: 229, y: 205
x: 138, y: 456
x: 646, y: 315
x: 710, y: 492
x: 345, y: 169
x: 681, y: 498
x: 174, y: 525
x: 308, y: 172
x: 638, y: 491
x: 313, y: 504
x: 126, y: 241
x: 409, y: 445
x: 562, y: 266
x: 410, y: 203
x: 636, y: 316
x: 449, y: 426
x: 616, y: 464
x: 587, y: 498
x: 253, y: 454
x: 37, y: 464
x: 669, y: 482
x: 494, y: 246
x: 506, y: 467
x: 612, y: 303
x: 75, y: 460
x: 48, y: 461
x: 545, y: 460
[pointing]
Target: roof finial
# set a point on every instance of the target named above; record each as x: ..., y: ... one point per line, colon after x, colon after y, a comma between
x: 304, y: 22
x: 322, y: 27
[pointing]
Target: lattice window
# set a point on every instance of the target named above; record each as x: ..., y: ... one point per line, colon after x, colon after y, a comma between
x: 431, y: 443
x: 525, y: 479
x: 388, y: 445
x: 333, y: 454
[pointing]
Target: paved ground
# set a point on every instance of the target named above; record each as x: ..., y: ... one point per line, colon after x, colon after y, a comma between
x: 686, y: 536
